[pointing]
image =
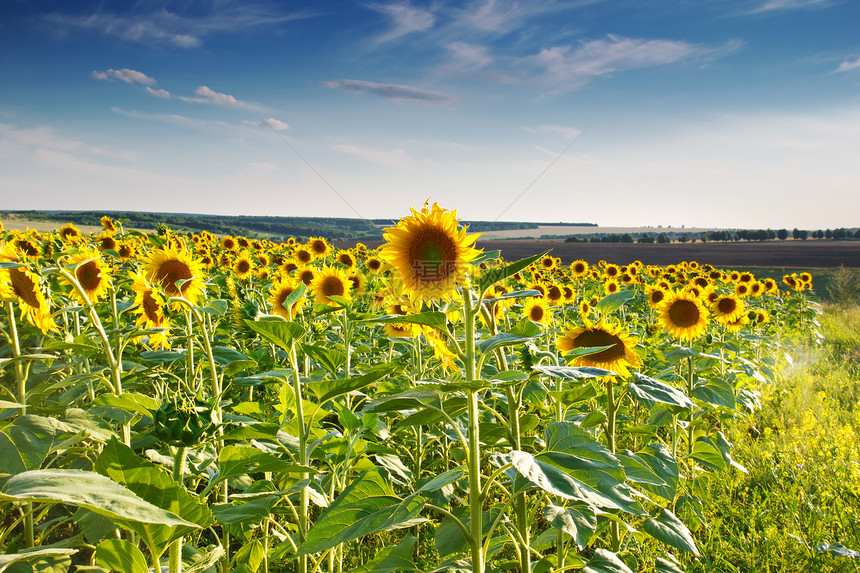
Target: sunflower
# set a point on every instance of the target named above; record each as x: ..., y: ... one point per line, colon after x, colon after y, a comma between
x: 683, y: 315
x: 345, y: 259
x: 554, y: 294
x: 742, y: 289
x: 611, y: 271
x: 537, y: 310
x: 92, y: 275
x: 228, y: 243
x: 728, y: 308
x: 618, y: 357
x: 242, y: 265
x: 242, y: 242
x: 429, y: 252
x: 288, y: 266
x: 547, y: 262
x: 761, y: 317
x: 655, y: 295
x: 263, y: 259
x: 168, y: 265
x: 611, y: 286
x: 329, y: 282
x: 149, y: 305
x: 770, y: 285
x: 23, y: 285
x: 738, y: 323
x: 125, y: 250
x: 303, y: 255
x: 305, y: 274
x: 108, y: 225
x: 69, y: 233
x: 569, y: 293
x: 106, y: 242
x: 440, y: 348
x: 373, y: 265
x: 318, y: 246
x: 280, y: 290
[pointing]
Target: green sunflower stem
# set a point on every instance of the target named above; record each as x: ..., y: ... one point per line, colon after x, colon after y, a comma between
x: 303, y: 455
x: 114, y: 365
x: 21, y: 396
x: 611, y: 411
x: 474, y: 452
x: 175, y: 559
x: 690, y: 373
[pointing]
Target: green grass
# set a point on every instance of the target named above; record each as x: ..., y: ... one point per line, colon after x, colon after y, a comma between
x: 802, y: 452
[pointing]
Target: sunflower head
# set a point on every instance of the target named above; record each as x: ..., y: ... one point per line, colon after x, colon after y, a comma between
x: 683, y: 315
x: 91, y: 274
x: 430, y: 252
x: 69, y: 233
x: 278, y: 293
x: 167, y: 266
x: 243, y: 266
x: 22, y: 285
x: 329, y: 282
x: 619, y: 357
x: 537, y: 310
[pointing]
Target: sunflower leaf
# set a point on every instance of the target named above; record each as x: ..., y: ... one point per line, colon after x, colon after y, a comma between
x: 433, y: 319
x: 492, y: 276
x: 574, y: 372
x: 611, y: 303
x: 277, y: 331
x: 648, y: 390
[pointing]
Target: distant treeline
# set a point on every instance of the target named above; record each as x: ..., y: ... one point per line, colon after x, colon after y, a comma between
x: 273, y: 228
x: 486, y: 226
x: 721, y: 235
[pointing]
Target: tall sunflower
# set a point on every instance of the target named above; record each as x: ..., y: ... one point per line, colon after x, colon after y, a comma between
x: 23, y: 285
x: 168, y: 265
x: 331, y: 282
x: 149, y: 306
x: 280, y: 290
x: 92, y: 274
x: 242, y: 265
x: 537, y: 310
x: 618, y: 357
x: 728, y: 308
x: 429, y: 252
x: 682, y: 315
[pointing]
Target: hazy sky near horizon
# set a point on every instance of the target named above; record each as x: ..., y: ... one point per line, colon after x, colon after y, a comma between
x: 729, y: 113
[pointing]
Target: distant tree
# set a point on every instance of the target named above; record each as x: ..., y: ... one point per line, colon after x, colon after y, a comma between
x: 857, y: 234
x: 705, y: 237
x: 795, y: 233
x: 840, y: 234
x: 685, y: 238
x: 646, y: 238
x: 828, y: 234
x: 782, y: 234
x: 804, y: 235
x: 627, y: 238
x: 771, y: 234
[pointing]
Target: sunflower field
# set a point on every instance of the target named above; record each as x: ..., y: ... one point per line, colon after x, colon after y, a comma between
x: 201, y: 403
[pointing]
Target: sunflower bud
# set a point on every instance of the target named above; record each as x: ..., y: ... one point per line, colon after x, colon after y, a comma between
x: 182, y: 421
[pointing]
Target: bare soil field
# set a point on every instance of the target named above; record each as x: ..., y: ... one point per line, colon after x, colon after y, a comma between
x: 801, y: 254
x: 566, y: 230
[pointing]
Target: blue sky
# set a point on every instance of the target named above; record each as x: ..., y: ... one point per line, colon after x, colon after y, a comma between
x: 732, y: 113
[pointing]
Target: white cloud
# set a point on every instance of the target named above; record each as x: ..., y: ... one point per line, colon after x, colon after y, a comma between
x: 566, y: 132
x: 176, y: 119
x: 125, y: 75
x: 397, y: 158
x: 394, y: 92
x: 164, y: 94
x: 848, y: 65
x: 775, y: 5
x: 405, y: 19
x: 569, y: 68
x: 160, y: 24
x: 271, y: 123
x: 19, y: 142
x: 208, y: 95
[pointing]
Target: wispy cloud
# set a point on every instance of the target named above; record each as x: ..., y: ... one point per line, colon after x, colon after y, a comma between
x: 504, y: 16
x: 185, y: 26
x: 566, y: 132
x: 124, y: 75
x: 164, y: 94
x: 394, y: 92
x: 570, y: 68
x: 46, y: 139
x: 471, y: 60
x: 176, y: 119
x: 270, y: 123
x: 780, y: 5
x: 405, y: 19
x: 397, y: 158
x: 848, y: 65
x: 208, y: 95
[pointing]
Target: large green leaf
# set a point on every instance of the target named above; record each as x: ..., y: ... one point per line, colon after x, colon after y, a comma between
x: 9, y: 559
x: 648, y: 390
x: 604, y: 561
x: 366, y: 506
x: 239, y: 460
x: 612, y: 302
x: 718, y: 392
x: 119, y: 462
x: 670, y: 530
x: 328, y: 389
x: 130, y: 402
x: 397, y: 558
x: 492, y: 276
x: 277, y: 331
x: 25, y: 443
x: 573, y: 372
x: 93, y: 491
x: 577, y: 520
x: 330, y: 359
x: 547, y: 476
x: 659, y: 459
x: 523, y: 331
x: 121, y: 556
